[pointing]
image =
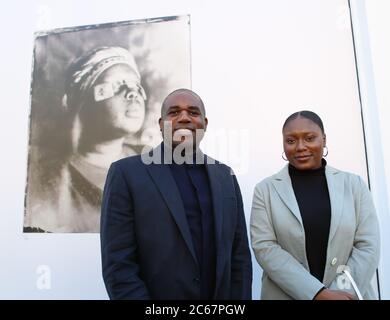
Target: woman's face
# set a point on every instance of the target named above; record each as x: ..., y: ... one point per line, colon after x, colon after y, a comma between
x: 303, y: 143
x: 118, y: 106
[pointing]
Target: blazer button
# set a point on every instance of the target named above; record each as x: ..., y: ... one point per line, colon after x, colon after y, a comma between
x: 197, y: 280
x: 334, y: 261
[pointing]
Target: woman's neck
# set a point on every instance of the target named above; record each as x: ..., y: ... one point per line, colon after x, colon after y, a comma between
x: 102, y: 154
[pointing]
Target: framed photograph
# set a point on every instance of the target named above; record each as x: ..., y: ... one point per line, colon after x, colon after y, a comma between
x: 96, y: 94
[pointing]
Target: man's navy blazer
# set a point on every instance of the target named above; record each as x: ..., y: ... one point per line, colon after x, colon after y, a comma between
x: 147, y: 249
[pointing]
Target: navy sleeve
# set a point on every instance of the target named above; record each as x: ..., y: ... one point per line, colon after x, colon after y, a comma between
x: 118, y: 243
x: 241, y: 277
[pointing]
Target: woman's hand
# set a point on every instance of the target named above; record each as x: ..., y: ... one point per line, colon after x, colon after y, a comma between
x: 328, y: 294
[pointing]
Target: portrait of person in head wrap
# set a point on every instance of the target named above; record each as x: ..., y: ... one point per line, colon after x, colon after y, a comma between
x: 96, y: 95
x: 106, y: 101
x: 105, y: 95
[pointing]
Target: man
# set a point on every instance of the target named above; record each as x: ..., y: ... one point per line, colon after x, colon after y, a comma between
x: 174, y: 227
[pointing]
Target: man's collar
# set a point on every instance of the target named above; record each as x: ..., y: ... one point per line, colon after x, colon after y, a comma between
x: 185, y: 156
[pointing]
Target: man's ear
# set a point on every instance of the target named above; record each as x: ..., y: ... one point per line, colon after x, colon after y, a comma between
x: 160, y: 123
x: 324, y: 140
x: 206, y: 122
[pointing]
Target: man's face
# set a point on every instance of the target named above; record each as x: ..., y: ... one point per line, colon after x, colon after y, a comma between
x: 118, y: 103
x: 184, y: 111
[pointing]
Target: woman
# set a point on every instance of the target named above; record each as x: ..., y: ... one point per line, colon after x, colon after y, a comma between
x: 310, y: 221
x: 106, y: 104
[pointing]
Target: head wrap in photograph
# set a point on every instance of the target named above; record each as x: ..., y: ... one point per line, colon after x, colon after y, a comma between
x: 84, y: 71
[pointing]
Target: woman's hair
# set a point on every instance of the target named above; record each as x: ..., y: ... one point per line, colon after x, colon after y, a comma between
x: 307, y: 115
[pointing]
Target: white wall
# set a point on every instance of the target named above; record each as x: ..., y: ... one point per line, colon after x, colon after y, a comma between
x: 253, y: 63
x: 371, y: 29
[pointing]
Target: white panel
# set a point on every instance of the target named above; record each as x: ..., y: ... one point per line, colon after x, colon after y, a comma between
x: 371, y: 29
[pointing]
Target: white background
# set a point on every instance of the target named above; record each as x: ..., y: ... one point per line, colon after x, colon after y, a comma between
x: 253, y: 63
x: 371, y: 29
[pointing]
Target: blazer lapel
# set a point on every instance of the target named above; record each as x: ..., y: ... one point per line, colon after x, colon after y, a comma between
x: 166, y: 184
x: 336, y: 191
x: 283, y: 186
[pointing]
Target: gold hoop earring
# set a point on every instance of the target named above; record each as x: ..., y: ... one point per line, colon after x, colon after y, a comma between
x: 285, y: 159
x: 327, y: 151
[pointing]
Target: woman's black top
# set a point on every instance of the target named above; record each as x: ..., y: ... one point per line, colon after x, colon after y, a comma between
x: 312, y: 194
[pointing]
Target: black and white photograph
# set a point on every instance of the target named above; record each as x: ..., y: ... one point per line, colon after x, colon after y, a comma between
x: 96, y: 93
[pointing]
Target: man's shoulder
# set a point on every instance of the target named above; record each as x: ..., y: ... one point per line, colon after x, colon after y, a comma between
x: 131, y: 161
x: 222, y: 167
